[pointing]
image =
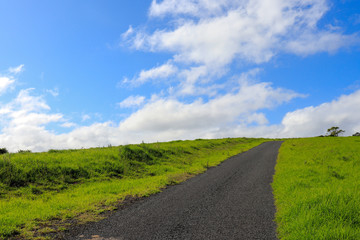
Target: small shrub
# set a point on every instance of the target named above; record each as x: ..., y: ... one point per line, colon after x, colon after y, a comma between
x: 11, y: 175
x: 135, y: 154
x: 55, y: 151
x: 24, y: 151
x: 154, y: 152
x: 3, y: 151
x: 36, y: 191
x: 357, y: 134
x: 74, y: 173
x: 114, y: 169
x: 40, y: 172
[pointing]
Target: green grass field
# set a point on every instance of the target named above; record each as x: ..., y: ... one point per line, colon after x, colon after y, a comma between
x: 316, y: 183
x: 317, y: 188
x: 40, y: 192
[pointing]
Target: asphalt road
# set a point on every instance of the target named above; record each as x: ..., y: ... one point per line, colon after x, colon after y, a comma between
x: 231, y: 201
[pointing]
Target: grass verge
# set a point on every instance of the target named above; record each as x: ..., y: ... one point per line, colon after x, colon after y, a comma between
x: 41, y: 192
x: 317, y: 189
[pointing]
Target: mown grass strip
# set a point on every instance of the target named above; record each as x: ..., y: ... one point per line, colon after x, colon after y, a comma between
x: 79, y: 184
x: 317, y: 189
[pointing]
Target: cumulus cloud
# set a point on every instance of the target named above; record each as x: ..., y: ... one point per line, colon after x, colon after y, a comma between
x: 132, y: 101
x: 161, y: 72
x: 253, y: 31
x: 206, y: 36
x: 5, y: 83
x: 8, y: 80
x: 27, y: 110
x: 26, y: 117
x: 198, y: 80
x: 68, y: 125
x: 315, y: 120
x: 23, y: 121
x: 230, y: 115
x: 232, y: 108
x: 322, y: 41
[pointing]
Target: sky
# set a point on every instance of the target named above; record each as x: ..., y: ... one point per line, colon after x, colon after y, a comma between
x: 88, y: 73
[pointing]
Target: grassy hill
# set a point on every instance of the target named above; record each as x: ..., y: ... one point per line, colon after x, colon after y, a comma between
x: 316, y: 183
x: 40, y: 192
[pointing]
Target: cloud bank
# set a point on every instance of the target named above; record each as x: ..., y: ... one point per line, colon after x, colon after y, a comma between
x: 234, y: 114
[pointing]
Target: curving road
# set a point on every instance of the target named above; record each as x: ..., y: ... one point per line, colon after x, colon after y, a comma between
x: 231, y: 201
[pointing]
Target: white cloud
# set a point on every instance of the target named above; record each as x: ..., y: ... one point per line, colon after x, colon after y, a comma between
x: 16, y: 70
x: 322, y: 41
x: 25, y: 118
x: 231, y: 115
x: 307, y: 122
x: 27, y: 110
x: 132, y: 101
x: 206, y: 36
x: 253, y: 31
x: 68, y: 125
x: 85, y: 117
x: 21, y: 118
x: 28, y: 103
x: 172, y: 115
x: 161, y: 72
x: 5, y: 83
x: 128, y: 32
x: 315, y: 120
x: 191, y: 77
x: 189, y: 7
x: 54, y: 92
x: 23, y: 122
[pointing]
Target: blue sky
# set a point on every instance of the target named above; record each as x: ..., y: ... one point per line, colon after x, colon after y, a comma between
x: 90, y: 73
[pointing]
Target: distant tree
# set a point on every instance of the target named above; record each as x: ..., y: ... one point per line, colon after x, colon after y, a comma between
x: 3, y: 151
x: 334, y: 131
x: 357, y: 134
x: 24, y: 151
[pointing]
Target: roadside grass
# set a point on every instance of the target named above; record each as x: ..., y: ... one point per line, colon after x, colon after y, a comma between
x: 317, y: 188
x: 42, y: 193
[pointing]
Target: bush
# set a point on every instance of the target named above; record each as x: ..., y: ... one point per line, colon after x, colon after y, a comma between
x: 10, y: 175
x: 357, y: 134
x: 56, y: 151
x: 114, y: 169
x: 135, y: 154
x: 3, y: 151
x: 24, y: 151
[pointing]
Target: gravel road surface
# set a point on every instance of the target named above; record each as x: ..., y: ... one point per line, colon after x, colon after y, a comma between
x: 231, y: 201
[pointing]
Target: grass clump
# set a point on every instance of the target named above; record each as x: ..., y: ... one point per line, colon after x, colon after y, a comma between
x: 317, y: 189
x: 36, y: 188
